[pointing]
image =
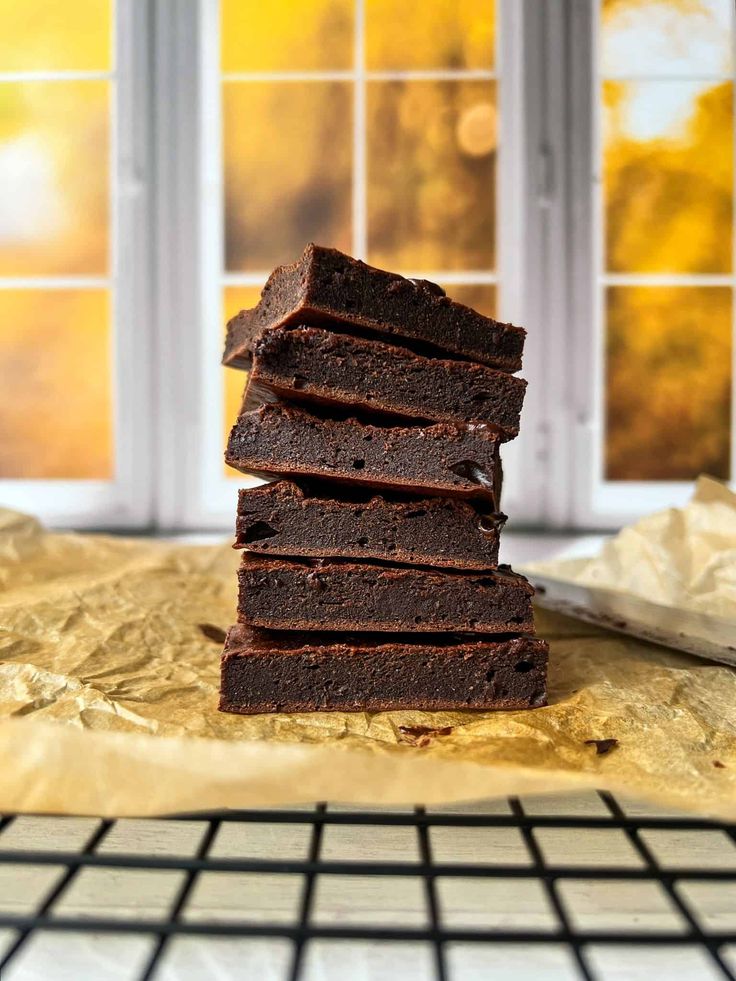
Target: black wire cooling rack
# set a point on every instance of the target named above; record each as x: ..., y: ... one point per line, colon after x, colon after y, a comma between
x: 414, y: 893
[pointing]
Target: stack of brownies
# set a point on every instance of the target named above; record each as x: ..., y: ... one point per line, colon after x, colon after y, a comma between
x: 376, y: 407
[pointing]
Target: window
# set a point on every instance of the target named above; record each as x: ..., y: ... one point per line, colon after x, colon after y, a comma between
x: 381, y: 133
x: 66, y: 344
x: 568, y: 166
x: 661, y: 407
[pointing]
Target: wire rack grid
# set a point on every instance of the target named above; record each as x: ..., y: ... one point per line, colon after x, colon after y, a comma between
x: 586, y: 887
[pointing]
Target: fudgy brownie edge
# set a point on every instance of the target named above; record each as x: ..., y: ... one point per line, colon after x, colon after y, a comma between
x: 303, y: 594
x: 449, y: 459
x: 315, y: 365
x: 274, y: 672
x: 325, y: 286
x: 283, y: 518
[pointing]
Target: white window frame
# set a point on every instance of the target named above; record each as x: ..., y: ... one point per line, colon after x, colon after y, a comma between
x: 594, y: 501
x: 125, y: 500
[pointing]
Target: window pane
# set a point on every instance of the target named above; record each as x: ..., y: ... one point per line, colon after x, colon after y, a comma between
x: 412, y: 34
x: 286, y: 35
x: 431, y: 175
x: 54, y: 177
x: 55, y: 402
x: 480, y: 297
x: 655, y: 37
x: 288, y: 159
x: 45, y: 35
x: 236, y: 298
x: 668, y: 382
x: 668, y: 160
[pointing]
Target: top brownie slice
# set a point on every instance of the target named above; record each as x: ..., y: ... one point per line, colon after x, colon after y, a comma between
x: 328, y: 287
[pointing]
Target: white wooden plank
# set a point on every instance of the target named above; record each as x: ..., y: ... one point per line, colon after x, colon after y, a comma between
x: 478, y: 846
x: 583, y: 804
x: 587, y: 846
x: 680, y: 849
x: 225, y: 959
x: 255, y: 839
x: 23, y: 888
x: 290, y: 808
x: 50, y: 956
x: 510, y: 962
x: 124, y: 894
x: 498, y: 806
x: 642, y: 963
x: 48, y: 834
x: 713, y: 904
x: 368, y: 960
x: 633, y: 807
x: 137, y: 836
x: 377, y: 900
x: 728, y: 953
x: 244, y: 896
x: 369, y: 843
x: 370, y: 808
x: 7, y: 939
x: 619, y: 905
x: 494, y: 903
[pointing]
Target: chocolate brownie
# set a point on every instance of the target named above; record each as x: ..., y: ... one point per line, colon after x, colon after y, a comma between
x: 325, y: 287
x: 277, y: 672
x: 308, y: 363
x: 282, y: 594
x: 283, y: 518
x: 454, y: 459
x: 240, y: 340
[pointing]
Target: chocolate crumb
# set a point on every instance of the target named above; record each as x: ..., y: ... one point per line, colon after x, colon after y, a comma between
x: 719, y: 765
x: 421, y: 735
x: 602, y: 746
x: 213, y: 633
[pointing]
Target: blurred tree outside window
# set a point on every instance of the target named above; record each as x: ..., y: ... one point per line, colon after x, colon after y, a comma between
x: 56, y: 91
x: 667, y: 103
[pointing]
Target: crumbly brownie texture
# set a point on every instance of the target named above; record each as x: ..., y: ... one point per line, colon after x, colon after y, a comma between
x: 239, y: 340
x: 276, y: 672
x: 454, y: 459
x: 284, y: 519
x: 281, y: 594
x: 326, y: 287
x: 308, y: 363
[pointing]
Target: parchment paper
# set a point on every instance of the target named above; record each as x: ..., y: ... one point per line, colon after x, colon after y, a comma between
x: 682, y: 557
x: 108, y: 695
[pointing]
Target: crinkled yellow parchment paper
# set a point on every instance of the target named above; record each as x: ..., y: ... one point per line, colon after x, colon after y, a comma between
x: 108, y: 702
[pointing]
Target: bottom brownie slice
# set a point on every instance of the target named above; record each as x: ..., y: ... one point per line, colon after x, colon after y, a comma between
x: 264, y: 671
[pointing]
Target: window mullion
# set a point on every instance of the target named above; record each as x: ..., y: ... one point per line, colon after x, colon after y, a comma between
x: 582, y: 251
x: 542, y: 274
x: 178, y: 357
x: 132, y: 262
